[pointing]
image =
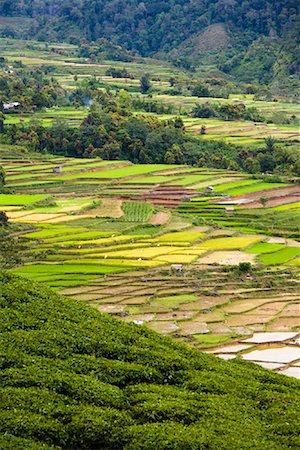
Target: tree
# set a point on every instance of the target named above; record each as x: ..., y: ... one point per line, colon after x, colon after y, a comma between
x: 244, y: 267
x: 2, y: 118
x: 263, y: 201
x: 2, y: 178
x: 3, y: 218
x: 145, y: 83
x: 11, y: 250
x: 169, y: 157
x: 200, y: 90
x: 270, y: 143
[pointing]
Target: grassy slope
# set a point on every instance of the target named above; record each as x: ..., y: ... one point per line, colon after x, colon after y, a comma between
x: 74, y: 378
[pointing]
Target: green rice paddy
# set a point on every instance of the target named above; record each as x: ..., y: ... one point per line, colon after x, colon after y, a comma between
x: 279, y: 257
x: 71, y: 243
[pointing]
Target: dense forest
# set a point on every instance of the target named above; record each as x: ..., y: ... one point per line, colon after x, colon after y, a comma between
x: 74, y: 378
x: 185, y: 30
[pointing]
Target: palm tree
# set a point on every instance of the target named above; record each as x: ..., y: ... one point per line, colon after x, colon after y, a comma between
x: 270, y: 142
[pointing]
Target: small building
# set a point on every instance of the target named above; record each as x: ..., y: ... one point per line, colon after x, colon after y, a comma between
x: 229, y: 210
x: 11, y: 106
x: 177, y: 267
x: 57, y: 169
x: 209, y: 190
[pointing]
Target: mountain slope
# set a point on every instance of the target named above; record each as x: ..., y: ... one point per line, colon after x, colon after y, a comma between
x: 150, y: 26
x: 74, y: 378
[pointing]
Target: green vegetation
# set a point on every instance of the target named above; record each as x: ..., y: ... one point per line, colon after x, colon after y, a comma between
x: 20, y: 200
x: 137, y: 212
x: 73, y: 378
x: 264, y: 247
x: 253, y: 43
x: 280, y: 257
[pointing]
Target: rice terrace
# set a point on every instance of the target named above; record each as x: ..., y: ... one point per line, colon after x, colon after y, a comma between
x: 90, y: 233
x: 149, y: 225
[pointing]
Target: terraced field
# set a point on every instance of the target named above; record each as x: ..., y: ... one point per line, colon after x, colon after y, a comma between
x: 92, y: 232
x: 65, y: 65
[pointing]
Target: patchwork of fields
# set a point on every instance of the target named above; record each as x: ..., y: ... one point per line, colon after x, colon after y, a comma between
x: 65, y: 67
x: 156, y: 244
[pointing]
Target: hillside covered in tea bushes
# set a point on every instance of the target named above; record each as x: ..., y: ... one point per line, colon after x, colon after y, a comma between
x: 74, y: 378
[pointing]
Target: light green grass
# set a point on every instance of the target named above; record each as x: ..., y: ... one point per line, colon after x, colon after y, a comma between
x: 20, y: 199
x: 88, y: 235
x: 265, y: 247
x: 279, y: 257
x: 236, y: 184
x: 61, y: 269
x: 54, y: 231
x: 254, y: 188
x: 287, y: 207
x: 122, y: 172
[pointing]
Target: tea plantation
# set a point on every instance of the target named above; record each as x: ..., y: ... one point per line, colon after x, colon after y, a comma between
x: 73, y: 378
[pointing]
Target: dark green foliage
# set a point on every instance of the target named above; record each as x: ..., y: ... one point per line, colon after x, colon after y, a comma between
x: 199, y: 90
x: 258, y: 42
x: 31, y: 88
x: 227, y: 111
x: 3, y: 218
x: 11, y: 248
x: 145, y: 83
x: 2, y: 178
x: 74, y: 378
x: 244, y: 267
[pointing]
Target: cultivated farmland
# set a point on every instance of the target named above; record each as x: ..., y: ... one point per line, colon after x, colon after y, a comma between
x: 92, y: 232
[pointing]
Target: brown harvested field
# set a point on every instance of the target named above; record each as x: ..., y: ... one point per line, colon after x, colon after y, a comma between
x: 238, y: 307
x: 280, y: 240
x: 110, y: 308
x: 117, y: 290
x: 167, y: 196
x: 227, y: 258
x: 214, y: 316
x: 220, y: 233
x: 182, y: 290
x: 285, y: 324
x: 249, y: 319
x: 204, y: 303
x: 160, y: 218
x: 222, y: 306
x: 77, y: 290
x: 109, y: 207
x: 135, y: 300
x: 276, y: 197
x: 88, y: 297
x: 109, y: 300
x: 276, y: 201
x: 291, y: 310
x: 272, y: 308
x: 140, y: 317
x: 68, y: 218
x: 178, y: 315
x: 220, y: 328
x: 163, y: 327
x: 193, y: 327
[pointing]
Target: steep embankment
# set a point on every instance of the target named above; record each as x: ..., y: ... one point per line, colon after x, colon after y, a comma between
x: 74, y: 378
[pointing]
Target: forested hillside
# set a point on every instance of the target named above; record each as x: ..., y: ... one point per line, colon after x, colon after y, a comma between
x: 189, y: 28
x: 74, y: 378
